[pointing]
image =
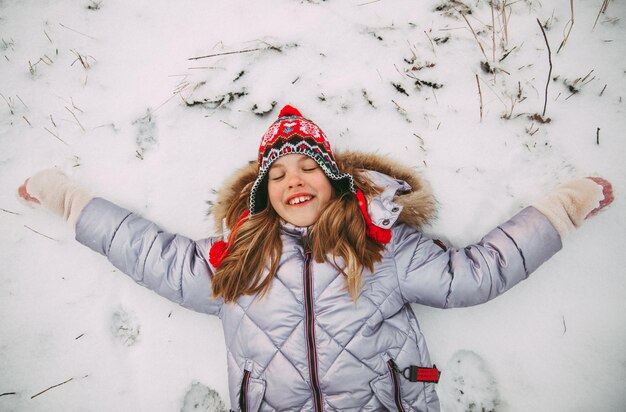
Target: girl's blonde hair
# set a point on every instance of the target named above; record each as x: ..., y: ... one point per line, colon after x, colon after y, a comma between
x: 339, y: 232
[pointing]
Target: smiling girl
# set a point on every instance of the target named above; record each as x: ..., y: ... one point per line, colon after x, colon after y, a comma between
x: 315, y: 273
x: 298, y: 189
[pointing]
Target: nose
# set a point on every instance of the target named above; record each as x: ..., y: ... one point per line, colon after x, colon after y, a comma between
x: 294, y: 180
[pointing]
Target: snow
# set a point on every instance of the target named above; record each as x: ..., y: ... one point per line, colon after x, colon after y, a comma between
x: 105, y: 91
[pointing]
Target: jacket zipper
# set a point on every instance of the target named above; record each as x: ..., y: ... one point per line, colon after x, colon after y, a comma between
x: 310, y: 332
x: 243, y: 394
x: 396, y: 385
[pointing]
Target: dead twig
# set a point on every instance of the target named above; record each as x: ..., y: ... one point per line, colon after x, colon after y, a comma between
x: 431, y: 42
x: 52, y: 387
x: 233, y: 52
x: 8, y: 211
x: 419, y: 137
x: 76, y: 31
x: 510, y: 113
x: 605, y: 4
x: 505, y: 24
x: 74, y: 106
x: 18, y: 96
x: 400, y: 109
x: 530, y: 130
x: 598, y: 136
x: 568, y: 26
x: 228, y: 124
x: 24, y: 117
x: 480, y: 94
x: 493, y: 33
x: 176, y: 93
x: 432, y: 89
x: 506, y: 54
x: 84, y: 60
x: 9, y: 103
x: 61, y: 140
x: 474, y: 33
x: 496, y: 94
x: 51, y: 238
x: 76, y: 118
x: 8, y: 393
x: 545, y: 103
x: 587, y: 76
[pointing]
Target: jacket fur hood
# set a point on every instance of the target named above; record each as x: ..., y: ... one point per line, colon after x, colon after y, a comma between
x: 419, y: 205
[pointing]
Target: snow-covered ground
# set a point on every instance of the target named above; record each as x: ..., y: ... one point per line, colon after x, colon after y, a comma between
x: 107, y: 91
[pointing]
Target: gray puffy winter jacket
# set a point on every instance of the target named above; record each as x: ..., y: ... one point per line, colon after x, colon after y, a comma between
x: 306, y: 346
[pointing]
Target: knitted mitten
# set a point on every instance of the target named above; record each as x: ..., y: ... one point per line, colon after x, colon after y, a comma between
x: 571, y: 203
x: 54, y: 190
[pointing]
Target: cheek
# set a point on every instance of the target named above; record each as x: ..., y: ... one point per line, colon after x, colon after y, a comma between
x: 324, y: 190
x: 274, y: 194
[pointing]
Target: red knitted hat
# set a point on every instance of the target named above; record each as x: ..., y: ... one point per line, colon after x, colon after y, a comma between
x: 290, y: 134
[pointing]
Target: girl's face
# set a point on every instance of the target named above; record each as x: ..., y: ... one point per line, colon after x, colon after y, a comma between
x: 298, y: 189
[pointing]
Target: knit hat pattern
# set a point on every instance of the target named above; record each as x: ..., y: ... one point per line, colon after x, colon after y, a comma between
x: 293, y: 134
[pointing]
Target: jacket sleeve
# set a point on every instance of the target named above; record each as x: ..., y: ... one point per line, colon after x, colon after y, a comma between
x: 430, y: 275
x: 173, y: 266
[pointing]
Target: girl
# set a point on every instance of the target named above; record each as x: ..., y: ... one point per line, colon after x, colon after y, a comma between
x: 318, y: 264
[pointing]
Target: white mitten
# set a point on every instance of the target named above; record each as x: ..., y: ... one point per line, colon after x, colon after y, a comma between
x: 573, y: 202
x: 54, y: 190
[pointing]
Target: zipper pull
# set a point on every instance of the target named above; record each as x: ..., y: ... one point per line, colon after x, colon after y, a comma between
x: 394, y: 367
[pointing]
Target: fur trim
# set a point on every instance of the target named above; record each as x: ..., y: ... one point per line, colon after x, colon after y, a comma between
x: 419, y: 205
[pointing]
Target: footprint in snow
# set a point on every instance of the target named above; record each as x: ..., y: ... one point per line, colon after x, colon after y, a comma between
x: 125, y: 327
x: 202, y: 398
x: 467, y: 385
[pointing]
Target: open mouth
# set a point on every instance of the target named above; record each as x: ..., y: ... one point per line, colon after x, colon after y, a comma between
x: 299, y: 200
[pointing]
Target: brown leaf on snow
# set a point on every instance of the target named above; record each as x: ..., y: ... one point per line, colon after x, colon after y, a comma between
x: 538, y: 118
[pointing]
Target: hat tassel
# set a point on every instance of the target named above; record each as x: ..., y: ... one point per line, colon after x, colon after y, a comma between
x: 219, y: 250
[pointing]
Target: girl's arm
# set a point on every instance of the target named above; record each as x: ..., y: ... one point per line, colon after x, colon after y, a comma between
x: 432, y: 276
x: 171, y: 265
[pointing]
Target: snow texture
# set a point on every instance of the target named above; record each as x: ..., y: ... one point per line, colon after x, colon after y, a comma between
x: 199, y: 398
x: 152, y: 104
x: 468, y: 385
x: 125, y: 327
